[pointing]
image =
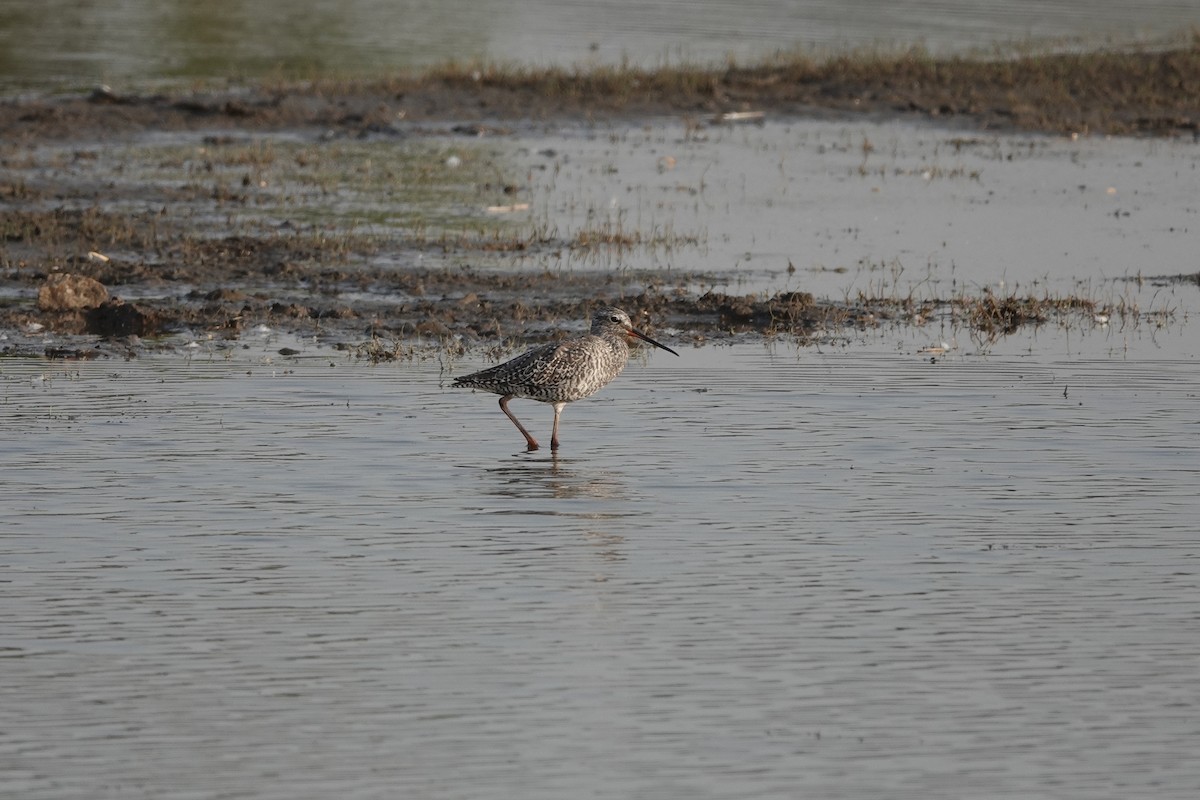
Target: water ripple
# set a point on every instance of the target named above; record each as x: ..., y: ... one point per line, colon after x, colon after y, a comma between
x: 747, y: 574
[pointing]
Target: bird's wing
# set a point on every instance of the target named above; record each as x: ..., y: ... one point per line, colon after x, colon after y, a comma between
x: 528, y: 363
x: 557, y: 362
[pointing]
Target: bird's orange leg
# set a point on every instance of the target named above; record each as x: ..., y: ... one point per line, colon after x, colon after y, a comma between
x: 532, y: 442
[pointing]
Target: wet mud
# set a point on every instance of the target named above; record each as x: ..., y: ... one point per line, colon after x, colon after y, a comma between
x: 149, y: 259
x: 1138, y: 92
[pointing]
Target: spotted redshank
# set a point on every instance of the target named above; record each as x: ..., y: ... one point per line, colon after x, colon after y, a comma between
x: 563, y: 372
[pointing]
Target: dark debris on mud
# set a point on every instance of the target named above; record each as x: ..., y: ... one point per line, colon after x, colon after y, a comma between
x: 416, y: 313
x: 159, y: 276
x: 463, y: 306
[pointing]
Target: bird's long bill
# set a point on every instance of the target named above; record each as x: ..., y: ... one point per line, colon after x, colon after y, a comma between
x: 645, y: 338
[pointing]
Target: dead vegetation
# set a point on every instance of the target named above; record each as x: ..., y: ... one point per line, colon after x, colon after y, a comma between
x: 1112, y: 92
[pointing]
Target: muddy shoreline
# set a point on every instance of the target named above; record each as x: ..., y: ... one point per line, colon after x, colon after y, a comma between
x: 160, y: 276
x: 1143, y: 92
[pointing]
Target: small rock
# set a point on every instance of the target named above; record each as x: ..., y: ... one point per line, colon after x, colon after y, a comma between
x: 117, y: 318
x: 67, y: 292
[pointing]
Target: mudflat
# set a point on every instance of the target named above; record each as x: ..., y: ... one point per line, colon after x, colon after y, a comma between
x: 215, y: 207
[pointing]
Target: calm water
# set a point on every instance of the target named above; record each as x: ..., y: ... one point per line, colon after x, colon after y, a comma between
x: 841, y: 571
x: 67, y: 43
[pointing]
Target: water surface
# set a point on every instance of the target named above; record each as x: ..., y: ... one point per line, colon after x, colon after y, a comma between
x: 752, y: 571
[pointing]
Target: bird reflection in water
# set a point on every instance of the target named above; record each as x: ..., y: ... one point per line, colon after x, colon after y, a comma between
x: 555, y: 478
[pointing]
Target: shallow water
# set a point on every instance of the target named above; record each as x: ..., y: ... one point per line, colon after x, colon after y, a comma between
x: 753, y: 571
x: 882, y: 209
x: 67, y: 43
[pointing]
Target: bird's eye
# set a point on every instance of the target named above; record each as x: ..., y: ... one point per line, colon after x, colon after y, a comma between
x: 614, y: 318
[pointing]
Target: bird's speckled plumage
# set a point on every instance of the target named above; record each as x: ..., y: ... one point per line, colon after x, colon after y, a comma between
x: 562, y: 372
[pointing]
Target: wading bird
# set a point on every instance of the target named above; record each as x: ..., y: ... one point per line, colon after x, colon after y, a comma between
x: 563, y: 372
